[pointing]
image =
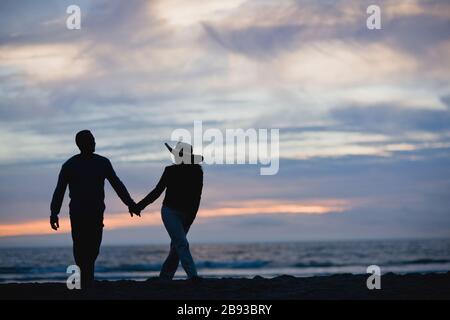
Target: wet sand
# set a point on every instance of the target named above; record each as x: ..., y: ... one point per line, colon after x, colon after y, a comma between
x: 336, y: 287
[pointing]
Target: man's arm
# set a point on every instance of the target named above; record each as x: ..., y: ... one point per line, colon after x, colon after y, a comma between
x: 58, y: 197
x: 120, y: 188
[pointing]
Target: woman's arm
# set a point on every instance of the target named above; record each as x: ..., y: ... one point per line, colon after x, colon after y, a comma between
x: 155, y: 193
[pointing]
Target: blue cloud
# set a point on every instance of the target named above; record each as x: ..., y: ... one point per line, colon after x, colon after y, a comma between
x: 391, y: 119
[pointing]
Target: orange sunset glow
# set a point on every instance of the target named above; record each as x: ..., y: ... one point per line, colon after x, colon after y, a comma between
x: 151, y: 218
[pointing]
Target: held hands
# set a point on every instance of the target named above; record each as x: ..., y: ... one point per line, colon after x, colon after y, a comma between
x: 54, y: 222
x: 134, y: 209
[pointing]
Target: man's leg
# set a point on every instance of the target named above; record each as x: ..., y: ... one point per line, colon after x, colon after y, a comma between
x: 93, y: 249
x: 87, y: 237
x: 176, y: 229
x: 79, y: 253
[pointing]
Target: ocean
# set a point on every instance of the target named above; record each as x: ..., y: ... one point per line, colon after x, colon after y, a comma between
x: 235, y: 260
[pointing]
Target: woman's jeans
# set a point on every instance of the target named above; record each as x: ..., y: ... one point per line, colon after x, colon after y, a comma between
x: 177, y: 226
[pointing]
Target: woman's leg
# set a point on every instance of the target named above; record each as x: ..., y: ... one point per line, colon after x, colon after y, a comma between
x: 170, y: 265
x: 177, y: 232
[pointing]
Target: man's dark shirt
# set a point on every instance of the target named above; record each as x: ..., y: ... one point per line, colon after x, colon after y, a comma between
x: 184, y: 183
x: 85, y: 175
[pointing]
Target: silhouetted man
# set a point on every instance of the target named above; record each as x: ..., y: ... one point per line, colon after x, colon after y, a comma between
x: 85, y: 173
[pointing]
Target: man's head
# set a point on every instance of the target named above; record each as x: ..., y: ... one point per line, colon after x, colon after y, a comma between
x: 85, y: 141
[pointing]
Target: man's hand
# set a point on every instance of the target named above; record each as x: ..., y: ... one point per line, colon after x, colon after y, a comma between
x: 133, y: 208
x: 54, y: 222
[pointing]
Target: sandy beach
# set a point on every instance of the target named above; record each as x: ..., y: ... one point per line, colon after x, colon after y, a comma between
x: 336, y: 287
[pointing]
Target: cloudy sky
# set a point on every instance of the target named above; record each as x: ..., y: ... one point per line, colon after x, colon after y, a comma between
x: 364, y: 115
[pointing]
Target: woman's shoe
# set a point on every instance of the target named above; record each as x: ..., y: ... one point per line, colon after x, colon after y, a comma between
x: 195, y: 279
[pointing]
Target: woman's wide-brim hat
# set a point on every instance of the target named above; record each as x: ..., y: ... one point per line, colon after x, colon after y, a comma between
x: 183, y: 153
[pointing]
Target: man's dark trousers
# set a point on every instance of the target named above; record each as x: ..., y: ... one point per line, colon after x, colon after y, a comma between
x: 87, y: 236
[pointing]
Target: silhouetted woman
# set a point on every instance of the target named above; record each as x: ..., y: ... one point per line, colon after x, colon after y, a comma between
x: 183, y: 182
